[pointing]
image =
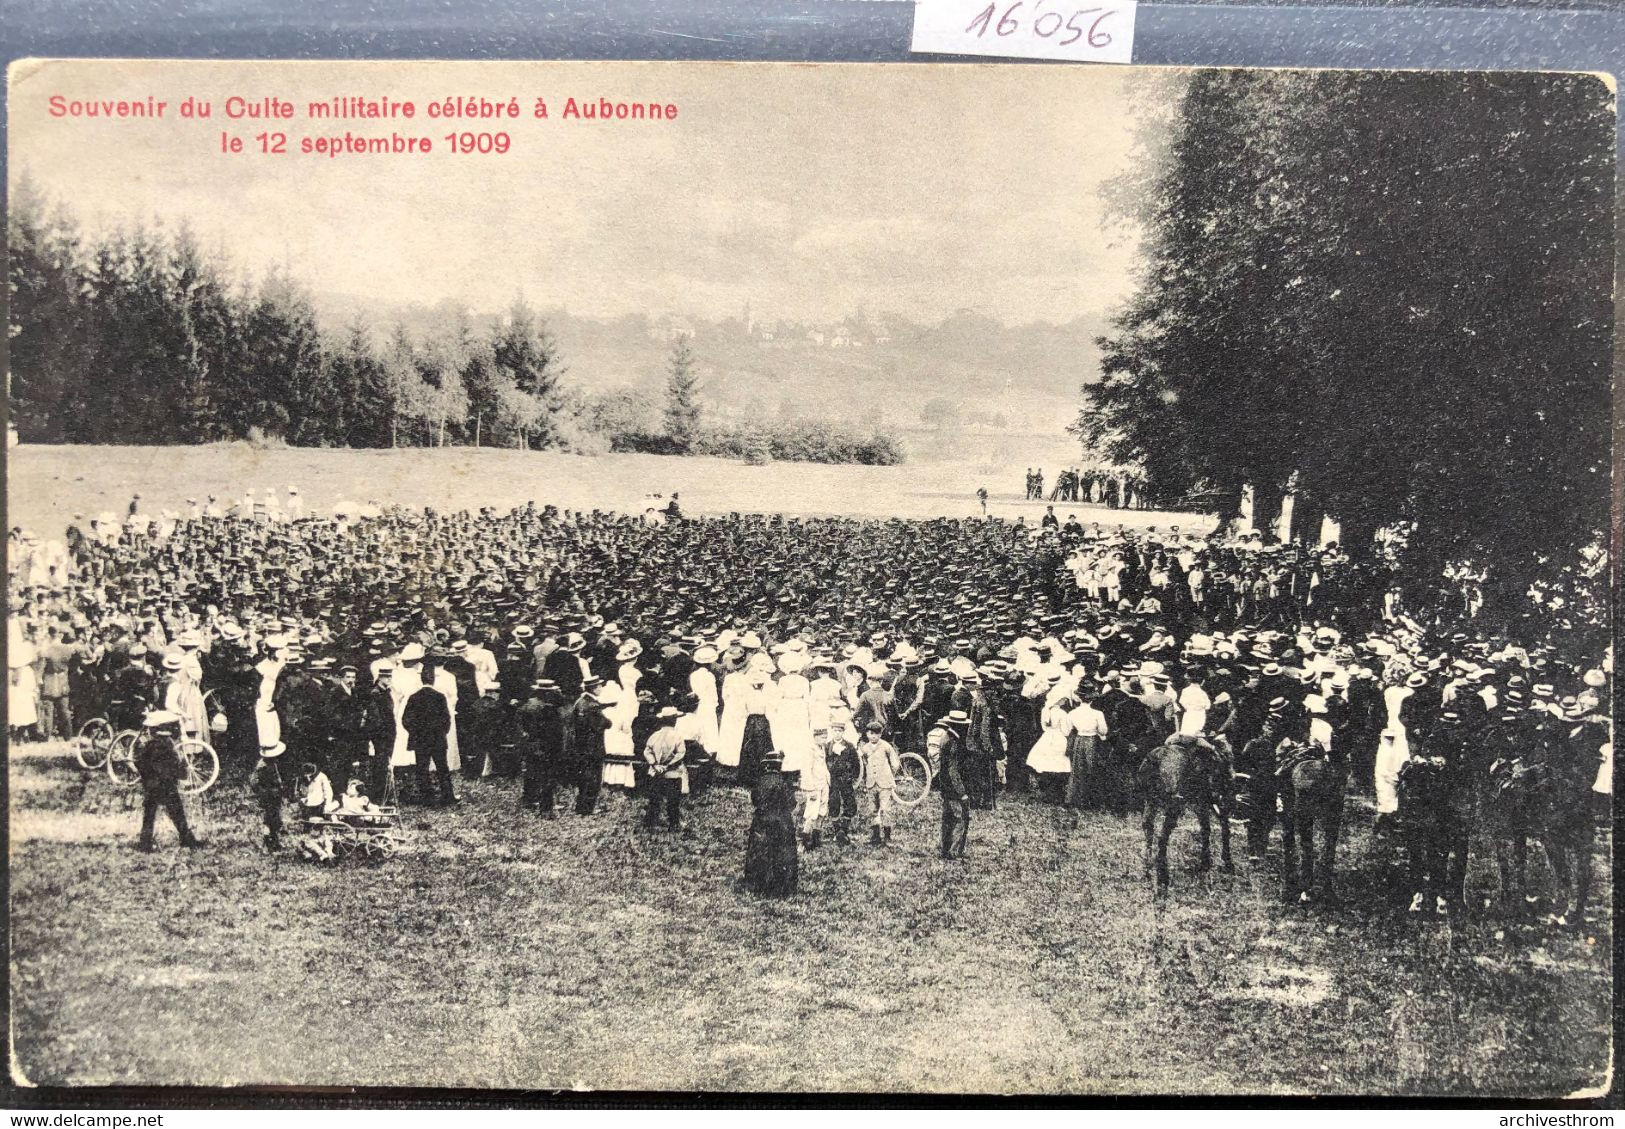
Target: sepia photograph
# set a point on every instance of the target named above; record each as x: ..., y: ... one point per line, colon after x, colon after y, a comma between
x: 838, y: 579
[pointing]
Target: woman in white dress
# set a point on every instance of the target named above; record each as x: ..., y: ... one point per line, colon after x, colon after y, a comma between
x: 628, y: 674
x: 1048, y: 755
x: 406, y: 681
x: 790, y: 718
x: 267, y: 722
x: 620, y: 708
x: 702, y: 683
x: 824, y: 694
x: 22, y: 689
x: 446, y: 683
x: 731, y: 732
x: 1393, y: 748
x: 183, y: 695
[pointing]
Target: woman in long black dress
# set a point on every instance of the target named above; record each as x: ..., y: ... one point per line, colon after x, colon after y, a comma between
x: 771, y: 867
x: 757, y: 741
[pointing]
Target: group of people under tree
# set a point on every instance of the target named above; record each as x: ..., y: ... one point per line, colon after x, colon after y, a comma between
x: 1090, y: 487
x: 614, y: 656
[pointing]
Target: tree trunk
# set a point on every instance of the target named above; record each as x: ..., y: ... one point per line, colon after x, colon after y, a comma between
x: 1266, y: 508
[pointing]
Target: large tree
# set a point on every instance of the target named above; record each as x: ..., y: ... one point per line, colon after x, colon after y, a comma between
x: 1390, y: 289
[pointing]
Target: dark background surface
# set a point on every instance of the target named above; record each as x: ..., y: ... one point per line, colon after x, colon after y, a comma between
x: 1561, y: 34
x: 1493, y: 34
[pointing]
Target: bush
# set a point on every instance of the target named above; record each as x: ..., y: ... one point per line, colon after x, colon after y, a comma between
x: 259, y: 440
x: 799, y: 441
x: 791, y: 441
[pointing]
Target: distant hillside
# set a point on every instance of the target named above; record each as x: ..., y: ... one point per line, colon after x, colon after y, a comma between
x: 872, y: 369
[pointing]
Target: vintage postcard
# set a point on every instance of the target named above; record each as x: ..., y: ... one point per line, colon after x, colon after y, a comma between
x: 517, y: 578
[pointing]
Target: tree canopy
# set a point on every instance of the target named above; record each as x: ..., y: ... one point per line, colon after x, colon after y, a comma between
x: 1392, y: 290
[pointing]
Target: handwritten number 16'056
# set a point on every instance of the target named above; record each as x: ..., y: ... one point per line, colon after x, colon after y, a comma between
x: 1007, y: 24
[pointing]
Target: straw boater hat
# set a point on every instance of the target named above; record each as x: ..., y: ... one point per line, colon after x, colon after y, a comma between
x: 270, y: 752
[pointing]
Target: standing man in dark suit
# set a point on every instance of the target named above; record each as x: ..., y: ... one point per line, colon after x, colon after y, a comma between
x: 955, y: 793
x: 541, y: 719
x: 158, y: 762
x: 426, y: 717
x: 588, y: 727
x: 468, y: 694
x: 347, y: 734
x: 562, y: 667
x: 380, y: 733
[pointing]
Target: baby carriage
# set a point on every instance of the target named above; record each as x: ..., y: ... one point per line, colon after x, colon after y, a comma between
x: 351, y: 826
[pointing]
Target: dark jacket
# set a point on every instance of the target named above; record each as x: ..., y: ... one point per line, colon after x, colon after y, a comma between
x: 589, y: 726
x: 380, y: 721
x: 427, y: 720
x: 564, y: 669
x: 158, y: 761
x: 543, y: 725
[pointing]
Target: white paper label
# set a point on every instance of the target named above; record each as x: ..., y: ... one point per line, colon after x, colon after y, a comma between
x: 1076, y: 30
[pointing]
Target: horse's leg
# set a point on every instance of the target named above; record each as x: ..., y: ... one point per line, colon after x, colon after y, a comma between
x: 1170, y: 816
x: 1456, y: 886
x: 1306, y: 850
x: 1289, y: 839
x: 1204, y: 822
x: 1557, y: 853
x: 1460, y: 842
x: 1582, y: 863
x: 1520, y: 861
x: 1504, y: 865
x: 1418, y: 848
x: 1332, y: 820
x: 1150, y: 822
x: 1261, y: 794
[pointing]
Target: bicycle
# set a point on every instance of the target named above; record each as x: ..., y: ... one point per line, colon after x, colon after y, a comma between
x: 200, y: 761
x: 93, y: 742
x: 911, y: 783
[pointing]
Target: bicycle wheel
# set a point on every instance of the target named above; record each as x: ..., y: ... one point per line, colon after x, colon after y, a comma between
x: 913, y: 779
x: 91, y: 745
x: 202, y: 766
x: 121, y: 759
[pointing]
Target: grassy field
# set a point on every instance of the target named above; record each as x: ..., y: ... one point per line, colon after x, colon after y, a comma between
x: 46, y: 486
x: 503, y: 951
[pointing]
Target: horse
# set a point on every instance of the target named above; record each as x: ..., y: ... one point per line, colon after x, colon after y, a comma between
x: 1525, y: 799
x: 1311, y: 795
x: 1184, y: 770
x: 1436, y: 815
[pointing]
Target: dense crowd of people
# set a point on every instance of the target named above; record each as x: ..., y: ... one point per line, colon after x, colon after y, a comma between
x: 377, y: 655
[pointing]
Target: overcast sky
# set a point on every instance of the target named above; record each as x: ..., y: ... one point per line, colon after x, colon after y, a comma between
x: 805, y: 190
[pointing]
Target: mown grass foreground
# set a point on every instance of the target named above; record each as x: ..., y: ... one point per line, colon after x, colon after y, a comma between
x: 505, y: 951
